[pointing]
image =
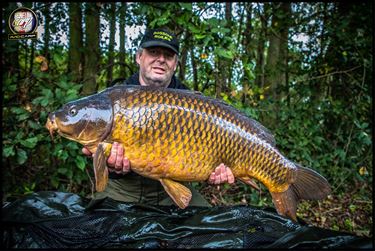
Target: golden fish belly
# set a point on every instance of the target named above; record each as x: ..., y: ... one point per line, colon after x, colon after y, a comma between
x: 183, y: 138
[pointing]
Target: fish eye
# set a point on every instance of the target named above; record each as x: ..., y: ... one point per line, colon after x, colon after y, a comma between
x: 72, y: 111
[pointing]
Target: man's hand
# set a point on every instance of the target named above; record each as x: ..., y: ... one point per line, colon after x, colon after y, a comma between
x: 116, y: 161
x: 222, y: 174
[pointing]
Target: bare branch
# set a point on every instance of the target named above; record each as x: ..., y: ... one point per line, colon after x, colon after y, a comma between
x: 329, y: 74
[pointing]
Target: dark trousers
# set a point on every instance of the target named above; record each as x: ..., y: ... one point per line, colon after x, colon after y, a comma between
x: 135, y: 188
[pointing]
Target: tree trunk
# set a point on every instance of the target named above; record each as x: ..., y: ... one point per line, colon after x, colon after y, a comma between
x: 75, y: 42
x: 183, y: 56
x: 111, y: 47
x: 260, y: 62
x: 272, y: 68
x: 278, y: 45
x: 218, y: 80
x: 31, y: 45
x: 320, y: 85
x: 277, y: 57
x: 183, y: 59
x: 46, y: 13
x: 195, y: 72
x: 248, y: 55
x: 223, y: 65
x: 226, y: 63
x: 92, y: 53
x: 122, y: 40
x: 283, y: 59
x: 10, y: 53
x: 32, y: 56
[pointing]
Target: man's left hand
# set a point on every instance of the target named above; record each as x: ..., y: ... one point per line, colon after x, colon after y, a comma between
x: 222, y: 174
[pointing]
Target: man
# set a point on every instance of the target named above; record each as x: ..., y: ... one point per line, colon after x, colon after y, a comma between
x: 157, y: 58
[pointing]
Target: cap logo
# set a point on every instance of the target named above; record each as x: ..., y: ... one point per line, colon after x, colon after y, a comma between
x: 162, y: 35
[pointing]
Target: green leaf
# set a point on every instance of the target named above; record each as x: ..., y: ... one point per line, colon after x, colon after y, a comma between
x: 21, y: 156
x: 187, y: 6
x: 20, y: 135
x: 18, y: 110
x: 200, y: 36
x: 23, y: 116
x: 59, y: 94
x: 37, y: 101
x: 55, y: 182
x: 34, y: 125
x: 207, y: 40
x: 61, y: 154
x: 47, y: 93
x: 69, y: 173
x: 365, y: 138
x: 348, y: 223
x: 214, y: 22
x: 81, y: 162
x: 216, y: 30
x: 224, y: 53
x: 62, y: 170
x: 12, y: 87
x: 72, y: 145
x: 352, y: 208
x: 8, y: 151
x: 225, y: 30
x: 340, y: 153
x: 30, y: 142
x: 71, y: 94
x: 63, y: 85
x: 193, y: 29
x: 44, y: 102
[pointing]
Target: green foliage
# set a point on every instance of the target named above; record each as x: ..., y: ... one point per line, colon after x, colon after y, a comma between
x: 338, y: 151
x: 29, y: 155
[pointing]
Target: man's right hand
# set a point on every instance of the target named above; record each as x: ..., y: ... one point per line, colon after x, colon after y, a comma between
x: 116, y: 161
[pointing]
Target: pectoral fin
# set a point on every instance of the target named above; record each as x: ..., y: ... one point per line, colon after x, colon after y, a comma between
x: 100, y: 167
x: 180, y: 194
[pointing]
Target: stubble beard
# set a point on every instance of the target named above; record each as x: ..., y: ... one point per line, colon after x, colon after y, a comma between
x: 158, y: 82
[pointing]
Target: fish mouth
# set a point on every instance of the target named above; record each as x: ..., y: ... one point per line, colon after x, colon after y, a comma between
x: 51, y: 125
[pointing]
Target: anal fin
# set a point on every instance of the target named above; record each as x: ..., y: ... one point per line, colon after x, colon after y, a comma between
x: 286, y: 203
x: 179, y: 193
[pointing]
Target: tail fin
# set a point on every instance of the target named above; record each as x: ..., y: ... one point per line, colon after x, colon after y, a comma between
x: 308, y: 185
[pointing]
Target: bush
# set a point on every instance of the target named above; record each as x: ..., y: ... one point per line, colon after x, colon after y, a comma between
x: 31, y: 160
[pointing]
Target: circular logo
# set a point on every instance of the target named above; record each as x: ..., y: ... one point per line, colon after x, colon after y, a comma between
x: 23, y: 20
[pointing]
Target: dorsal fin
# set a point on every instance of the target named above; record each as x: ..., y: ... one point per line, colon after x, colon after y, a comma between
x: 263, y: 132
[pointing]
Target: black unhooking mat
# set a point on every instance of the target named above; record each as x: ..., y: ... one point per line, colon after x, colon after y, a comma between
x: 65, y: 220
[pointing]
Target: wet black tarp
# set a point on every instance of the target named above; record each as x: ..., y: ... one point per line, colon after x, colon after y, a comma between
x: 65, y: 220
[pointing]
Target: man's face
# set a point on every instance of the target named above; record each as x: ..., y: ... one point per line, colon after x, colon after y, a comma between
x: 157, y: 65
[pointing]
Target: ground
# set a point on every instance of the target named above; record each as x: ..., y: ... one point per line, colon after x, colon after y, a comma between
x: 349, y: 211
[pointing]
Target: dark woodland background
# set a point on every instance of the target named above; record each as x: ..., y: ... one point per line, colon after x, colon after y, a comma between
x: 304, y: 70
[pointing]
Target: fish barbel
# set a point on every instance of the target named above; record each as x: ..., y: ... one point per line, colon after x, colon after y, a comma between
x: 177, y: 135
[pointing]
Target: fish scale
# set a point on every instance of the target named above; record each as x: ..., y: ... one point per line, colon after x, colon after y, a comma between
x: 177, y: 135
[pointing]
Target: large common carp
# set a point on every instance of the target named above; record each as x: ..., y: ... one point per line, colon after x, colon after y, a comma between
x: 177, y: 135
